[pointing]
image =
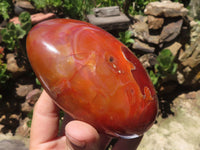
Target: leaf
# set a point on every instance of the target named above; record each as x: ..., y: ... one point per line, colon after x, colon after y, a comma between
x: 4, y: 7
x: 130, y: 41
x: 11, y: 26
x: 128, y: 34
x: 153, y: 77
x: 26, y: 26
x: 20, y: 33
x: 6, y: 37
x: 39, y: 4
x: 24, y: 17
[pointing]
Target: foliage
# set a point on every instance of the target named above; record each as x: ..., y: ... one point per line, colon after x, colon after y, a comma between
x: 30, y: 116
x: 5, y: 8
x: 185, y: 2
x: 78, y: 9
x: 4, y: 75
x: 47, y: 4
x: 165, y: 66
x: 139, y: 6
x: 125, y: 37
x: 12, y: 34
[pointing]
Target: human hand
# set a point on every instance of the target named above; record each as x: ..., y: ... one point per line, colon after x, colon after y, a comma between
x: 77, y: 135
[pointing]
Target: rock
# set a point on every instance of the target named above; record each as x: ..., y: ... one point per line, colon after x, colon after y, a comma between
x: 166, y: 9
x: 153, y: 39
x: 194, y: 10
x: 141, y: 46
x: 23, y: 90
x: 2, y: 118
x: 9, y: 137
x: 190, y: 57
x: 12, y: 145
x: 14, y: 116
x: 39, y: 17
x: 155, y: 22
x: 35, y: 18
x: 120, y: 22
x: 140, y: 31
x: 141, y: 18
x: 148, y: 60
x: 180, y: 77
x: 178, y: 132
x: 31, y: 99
x: 22, y: 5
x: 107, y: 11
x: 13, y: 67
x: 33, y: 96
x: 196, y: 79
x: 174, y: 48
x: 23, y: 129
x: 1, y: 127
x: 171, y: 31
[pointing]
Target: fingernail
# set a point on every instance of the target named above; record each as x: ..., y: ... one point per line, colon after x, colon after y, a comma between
x: 75, y: 142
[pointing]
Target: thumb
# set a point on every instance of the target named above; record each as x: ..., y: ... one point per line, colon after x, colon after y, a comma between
x: 81, y: 136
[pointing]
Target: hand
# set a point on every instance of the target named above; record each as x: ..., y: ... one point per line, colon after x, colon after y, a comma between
x: 77, y: 135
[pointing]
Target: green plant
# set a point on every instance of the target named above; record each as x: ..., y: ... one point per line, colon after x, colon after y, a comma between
x: 139, y: 6
x: 165, y: 66
x: 125, y: 37
x: 47, y: 4
x: 77, y: 9
x: 4, y: 75
x: 13, y: 33
x: 5, y: 8
x: 30, y: 116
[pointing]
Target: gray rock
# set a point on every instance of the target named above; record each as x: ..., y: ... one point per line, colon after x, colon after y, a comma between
x: 110, y: 23
x: 141, y: 32
x: 12, y: 145
x: 107, y: 11
x: 23, y: 5
x: 141, y: 46
x: 166, y: 9
x: 171, y: 31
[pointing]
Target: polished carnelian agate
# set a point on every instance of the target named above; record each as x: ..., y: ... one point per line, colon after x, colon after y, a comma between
x: 92, y: 76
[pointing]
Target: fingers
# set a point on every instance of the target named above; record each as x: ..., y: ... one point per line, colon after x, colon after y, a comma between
x: 79, y: 135
x: 82, y: 136
x: 44, y: 125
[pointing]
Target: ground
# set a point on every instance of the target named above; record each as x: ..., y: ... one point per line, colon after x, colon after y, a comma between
x: 180, y: 131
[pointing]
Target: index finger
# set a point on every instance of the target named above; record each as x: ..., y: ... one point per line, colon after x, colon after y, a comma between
x: 45, y: 122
